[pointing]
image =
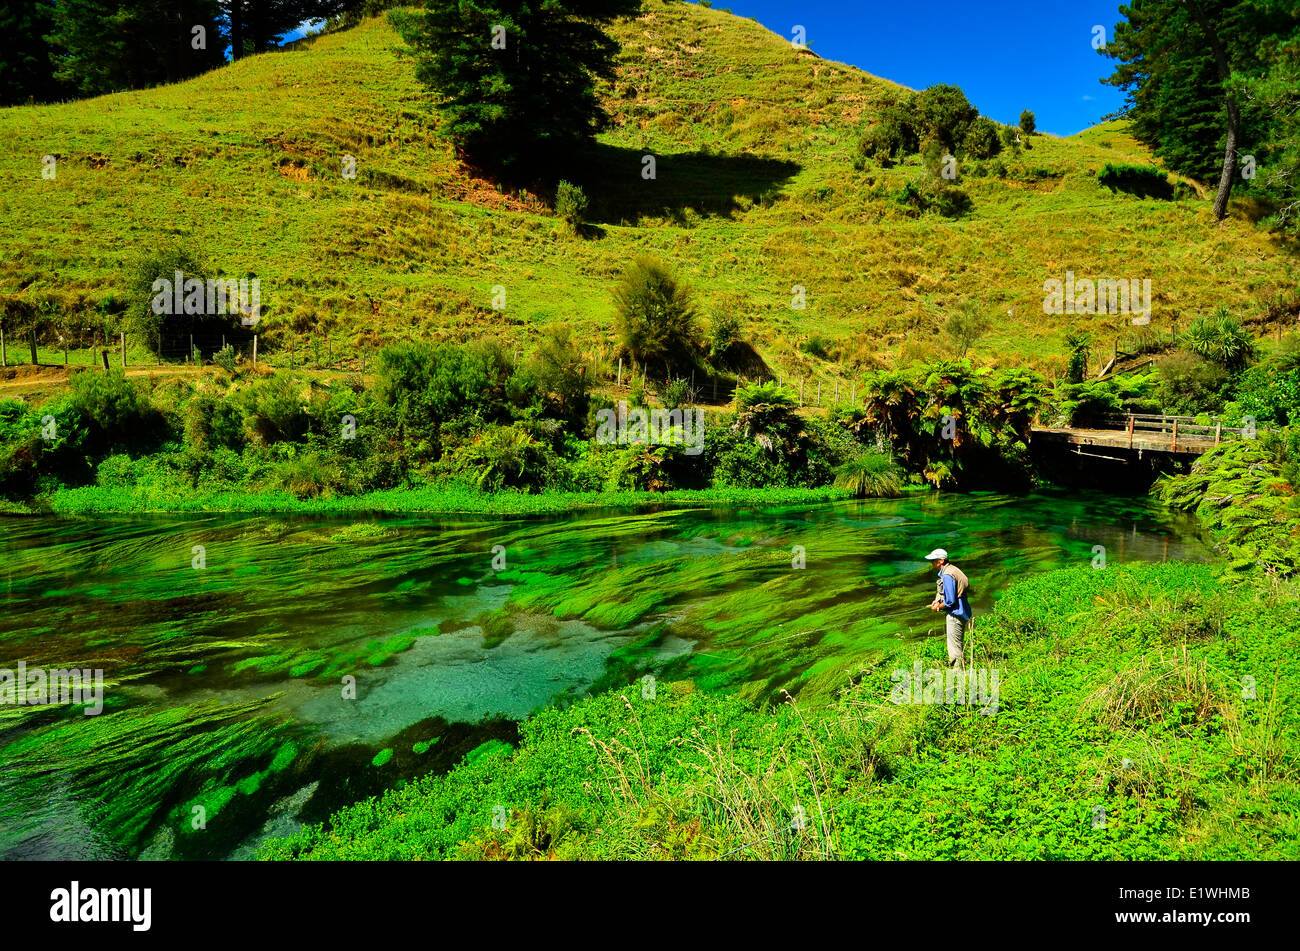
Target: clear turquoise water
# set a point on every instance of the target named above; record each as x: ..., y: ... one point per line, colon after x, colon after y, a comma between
x: 226, y: 683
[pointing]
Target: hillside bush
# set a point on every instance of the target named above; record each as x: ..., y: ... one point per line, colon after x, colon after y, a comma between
x: 724, y: 330
x: 657, y: 319
x: 500, y: 457
x: 983, y: 139
x: 273, y: 409
x: 943, y: 112
x: 105, y: 412
x: 1189, y: 384
x: 422, y: 385
x: 1220, y: 338
x: 571, y: 205
x: 1144, y: 181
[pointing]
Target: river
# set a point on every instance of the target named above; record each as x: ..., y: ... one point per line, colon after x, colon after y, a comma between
x: 260, y: 672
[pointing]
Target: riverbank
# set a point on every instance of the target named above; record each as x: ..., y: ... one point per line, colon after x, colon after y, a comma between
x: 97, y: 500
x: 1141, y: 712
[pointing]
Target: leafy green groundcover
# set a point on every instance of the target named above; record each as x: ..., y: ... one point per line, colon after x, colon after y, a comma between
x: 1143, y: 713
x: 92, y: 500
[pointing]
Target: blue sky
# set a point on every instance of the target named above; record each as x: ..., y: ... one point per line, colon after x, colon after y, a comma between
x: 1007, y: 55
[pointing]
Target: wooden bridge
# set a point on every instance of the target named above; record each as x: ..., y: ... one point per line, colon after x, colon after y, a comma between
x: 1172, y: 435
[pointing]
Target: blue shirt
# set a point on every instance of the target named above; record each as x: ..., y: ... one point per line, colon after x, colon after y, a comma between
x: 957, y: 607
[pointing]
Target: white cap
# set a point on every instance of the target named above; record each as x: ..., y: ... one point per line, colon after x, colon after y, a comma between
x: 937, y: 553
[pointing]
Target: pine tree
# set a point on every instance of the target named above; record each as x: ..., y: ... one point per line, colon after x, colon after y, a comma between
x: 516, y: 79
x: 103, y: 46
x: 1176, y: 59
x: 26, y: 71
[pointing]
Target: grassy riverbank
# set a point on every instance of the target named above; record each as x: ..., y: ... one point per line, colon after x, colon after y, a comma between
x: 1142, y: 713
x: 97, y: 500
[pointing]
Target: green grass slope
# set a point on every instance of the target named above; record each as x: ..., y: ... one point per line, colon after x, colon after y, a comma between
x: 755, y: 193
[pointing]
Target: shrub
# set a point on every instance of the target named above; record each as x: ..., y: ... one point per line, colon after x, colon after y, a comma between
x: 1027, y: 122
x: 657, y: 319
x: 948, y: 200
x: 571, y: 205
x: 982, y: 139
x: 162, y: 263
x: 500, y: 457
x: 965, y: 326
x: 870, y: 475
x: 1220, y: 338
x: 943, y: 112
x: 211, y: 422
x: 1141, y: 180
x: 724, y: 330
x: 1077, y: 345
x: 559, y: 375
x: 105, y: 412
x: 422, y: 385
x: 1189, y: 384
x: 676, y: 393
x: 272, y: 409
x: 225, y: 358
x: 879, y: 143
x: 1267, y: 393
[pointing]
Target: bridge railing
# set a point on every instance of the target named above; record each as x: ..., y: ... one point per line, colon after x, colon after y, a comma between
x: 1175, y: 427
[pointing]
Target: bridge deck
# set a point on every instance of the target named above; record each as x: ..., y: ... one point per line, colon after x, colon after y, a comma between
x: 1122, y: 439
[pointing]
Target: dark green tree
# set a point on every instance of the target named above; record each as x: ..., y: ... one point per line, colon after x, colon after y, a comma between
x: 516, y: 79
x: 26, y: 70
x: 102, y: 46
x: 943, y: 112
x: 1176, y: 60
x: 1027, y: 122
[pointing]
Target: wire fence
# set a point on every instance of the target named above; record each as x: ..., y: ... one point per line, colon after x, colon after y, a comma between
x: 604, y: 368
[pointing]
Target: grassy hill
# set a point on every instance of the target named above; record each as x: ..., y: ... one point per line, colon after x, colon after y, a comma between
x: 755, y: 193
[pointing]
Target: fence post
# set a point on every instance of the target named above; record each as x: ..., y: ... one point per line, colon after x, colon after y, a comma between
x: 801, y: 383
x: 4, y: 355
x: 254, y: 349
x: 31, y: 337
x: 837, y: 391
x: 1218, y: 430
x: 123, y: 338
x: 620, y: 373
x: 819, y: 392
x: 1130, y: 431
x: 190, y: 357
x: 853, y: 393
x: 1173, y: 446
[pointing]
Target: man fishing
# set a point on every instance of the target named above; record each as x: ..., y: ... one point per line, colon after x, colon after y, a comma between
x: 950, y: 597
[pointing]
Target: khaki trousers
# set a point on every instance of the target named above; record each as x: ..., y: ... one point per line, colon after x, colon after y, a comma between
x: 956, y: 647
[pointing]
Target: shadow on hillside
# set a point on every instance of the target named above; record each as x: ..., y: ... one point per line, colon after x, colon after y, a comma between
x: 707, y: 183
